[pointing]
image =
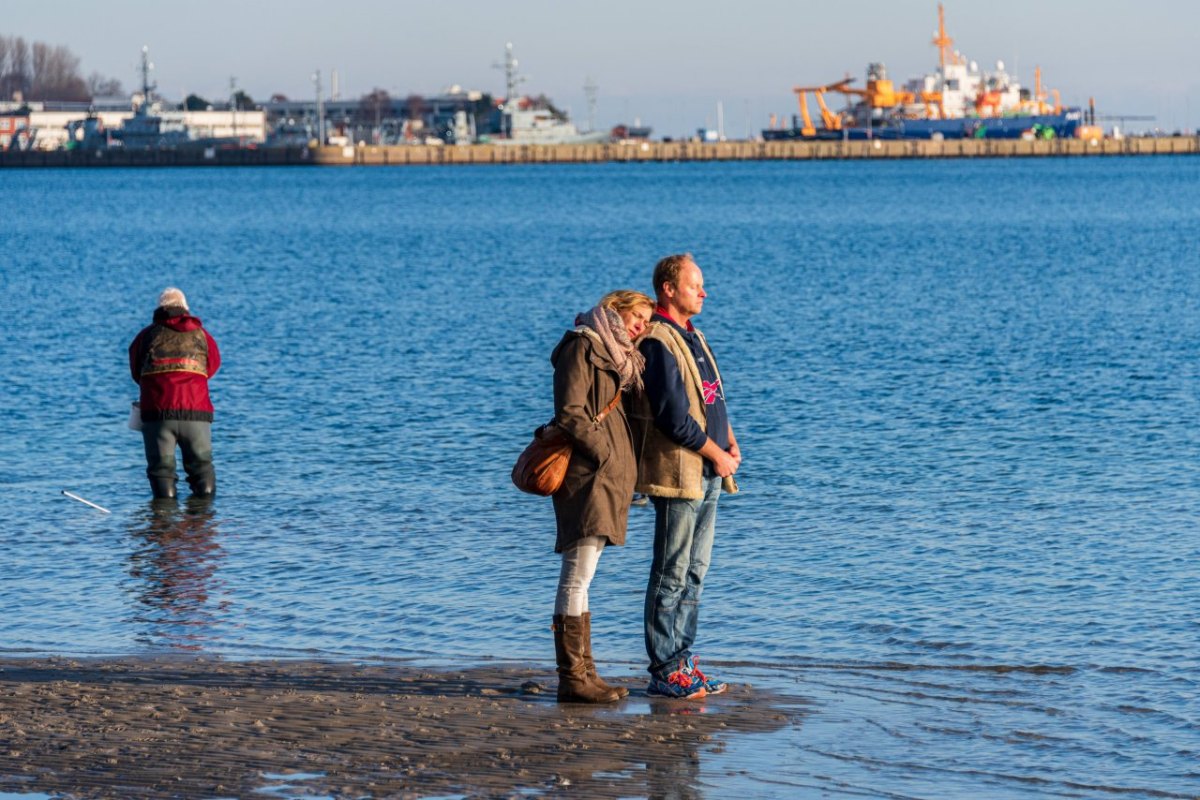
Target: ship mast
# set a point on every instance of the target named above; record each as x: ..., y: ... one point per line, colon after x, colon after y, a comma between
x: 942, y: 42
x: 511, y: 81
x: 147, y: 87
x: 320, y: 109
x: 590, y: 90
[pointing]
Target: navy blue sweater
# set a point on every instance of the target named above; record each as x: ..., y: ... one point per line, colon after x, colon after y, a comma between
x: 668, y: 397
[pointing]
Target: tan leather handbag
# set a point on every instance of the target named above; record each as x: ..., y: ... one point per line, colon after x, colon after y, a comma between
x: 540, y: 469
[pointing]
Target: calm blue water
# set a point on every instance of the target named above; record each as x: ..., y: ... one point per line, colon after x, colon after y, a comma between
x: 967, y: 395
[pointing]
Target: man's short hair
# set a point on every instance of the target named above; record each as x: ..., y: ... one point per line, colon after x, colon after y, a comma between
x: 667, y: 271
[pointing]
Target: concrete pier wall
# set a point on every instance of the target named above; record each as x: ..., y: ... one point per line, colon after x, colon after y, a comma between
x: 592, y: 153
x: 749, y: 151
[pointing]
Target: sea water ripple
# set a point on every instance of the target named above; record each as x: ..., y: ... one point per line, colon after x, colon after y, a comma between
x: 967, y: 393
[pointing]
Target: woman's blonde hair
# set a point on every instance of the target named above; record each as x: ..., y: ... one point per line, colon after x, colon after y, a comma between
x: 626, y: 300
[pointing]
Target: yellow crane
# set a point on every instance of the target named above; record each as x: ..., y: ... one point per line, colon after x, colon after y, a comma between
x: 830, y: 120
x: 880, y: 93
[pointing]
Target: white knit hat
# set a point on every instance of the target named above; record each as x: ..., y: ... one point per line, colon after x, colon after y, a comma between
x: 172, y: 297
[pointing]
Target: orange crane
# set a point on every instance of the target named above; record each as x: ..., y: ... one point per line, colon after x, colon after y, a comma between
x: 1039, y: 95
x: 934, y: 107
x: 880, y: 93
x: 829, y: 120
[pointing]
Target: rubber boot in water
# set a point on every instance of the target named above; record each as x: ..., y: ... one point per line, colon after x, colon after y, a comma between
x: 204, y: 486
x: 163, y: 488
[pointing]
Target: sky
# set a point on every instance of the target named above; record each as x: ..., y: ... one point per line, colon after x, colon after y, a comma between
x: 666, y: 64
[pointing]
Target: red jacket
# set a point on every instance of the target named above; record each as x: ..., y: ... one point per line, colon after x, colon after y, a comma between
x: 171, y: 390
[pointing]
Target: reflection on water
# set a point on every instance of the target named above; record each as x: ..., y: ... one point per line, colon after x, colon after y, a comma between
x: 174, y: 561
x: 669, y: 750
x: 678, y: 776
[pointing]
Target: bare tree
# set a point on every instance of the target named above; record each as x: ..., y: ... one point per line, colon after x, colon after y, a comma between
x: 100, y: 86
x: 373, y: 107
x: 55, y: 74
x: 194, y: 102
x: 243, y: 102
x: 40, y: 71
x: 542, y: 101
x: 415, y: 106
x: 15, y: 71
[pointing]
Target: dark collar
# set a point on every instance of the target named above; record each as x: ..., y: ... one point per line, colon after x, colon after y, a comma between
x: 665, y: 315
x: 167, y: 312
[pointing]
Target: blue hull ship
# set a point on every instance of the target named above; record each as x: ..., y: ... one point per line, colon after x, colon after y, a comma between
x: 957, y: 100
x: 1041, y: 126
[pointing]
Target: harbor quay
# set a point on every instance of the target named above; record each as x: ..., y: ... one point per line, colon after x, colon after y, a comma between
x: 480, y: 154
x: 751, y: 151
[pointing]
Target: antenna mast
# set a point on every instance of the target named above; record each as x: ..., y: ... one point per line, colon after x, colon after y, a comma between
x: 591, y: 91
x: 147, y: 86
x: 511, y: 81
x: 233, y: 102
x: 942, y: 42
x: 320, y: 109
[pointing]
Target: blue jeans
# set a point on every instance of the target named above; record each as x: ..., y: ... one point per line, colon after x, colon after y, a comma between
x: 683, y: 539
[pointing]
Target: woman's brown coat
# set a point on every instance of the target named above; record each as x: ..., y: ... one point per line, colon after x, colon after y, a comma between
x: 595, y: 495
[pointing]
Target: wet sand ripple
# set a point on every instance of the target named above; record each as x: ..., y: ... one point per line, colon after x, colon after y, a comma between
x: 203, y: 727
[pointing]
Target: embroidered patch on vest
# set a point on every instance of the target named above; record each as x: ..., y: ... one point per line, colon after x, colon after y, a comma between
x: 176, y: 351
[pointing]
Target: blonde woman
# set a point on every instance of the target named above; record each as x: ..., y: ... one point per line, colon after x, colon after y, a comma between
x: 591, y: 363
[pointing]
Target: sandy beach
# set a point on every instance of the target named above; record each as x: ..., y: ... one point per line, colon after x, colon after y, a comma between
x: 185, y: 727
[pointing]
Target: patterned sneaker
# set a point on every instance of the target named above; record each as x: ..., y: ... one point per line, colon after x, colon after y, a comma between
x: 681, y: 684
x: 711, y: 685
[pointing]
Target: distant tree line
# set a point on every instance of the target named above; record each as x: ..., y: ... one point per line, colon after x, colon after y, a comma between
x: 378, y: 105
x: 40, y: 71
x: 240, y: 100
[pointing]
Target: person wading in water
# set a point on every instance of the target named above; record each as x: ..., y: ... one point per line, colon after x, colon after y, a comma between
x: 172, y: 360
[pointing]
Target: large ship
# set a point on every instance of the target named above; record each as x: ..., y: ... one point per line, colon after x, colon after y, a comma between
x: 956, y: 101
x: 146, y: 130
x: 525, y: 122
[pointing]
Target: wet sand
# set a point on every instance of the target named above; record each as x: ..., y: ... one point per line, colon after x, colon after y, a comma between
x: 186, y: 727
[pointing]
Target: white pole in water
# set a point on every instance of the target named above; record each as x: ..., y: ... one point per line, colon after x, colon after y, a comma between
x: 86, y: 502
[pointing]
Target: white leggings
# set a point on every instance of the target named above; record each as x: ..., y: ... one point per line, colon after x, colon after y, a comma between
x: 578, y: 566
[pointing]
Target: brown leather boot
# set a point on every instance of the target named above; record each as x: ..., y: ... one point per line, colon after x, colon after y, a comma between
x: 573, y: 683
x: 590, y: 663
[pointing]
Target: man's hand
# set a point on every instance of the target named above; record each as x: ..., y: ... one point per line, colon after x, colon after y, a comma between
x: 725, y: 464
x: 736, y: 452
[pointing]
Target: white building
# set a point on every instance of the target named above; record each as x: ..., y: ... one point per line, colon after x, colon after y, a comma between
x: 49, y: 128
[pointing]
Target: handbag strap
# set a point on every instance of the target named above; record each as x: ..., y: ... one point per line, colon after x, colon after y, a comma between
x: 608, y: 408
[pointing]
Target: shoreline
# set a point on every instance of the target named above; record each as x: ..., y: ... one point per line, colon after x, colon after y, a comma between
x: 200, y: 726
x: 617, y: 152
